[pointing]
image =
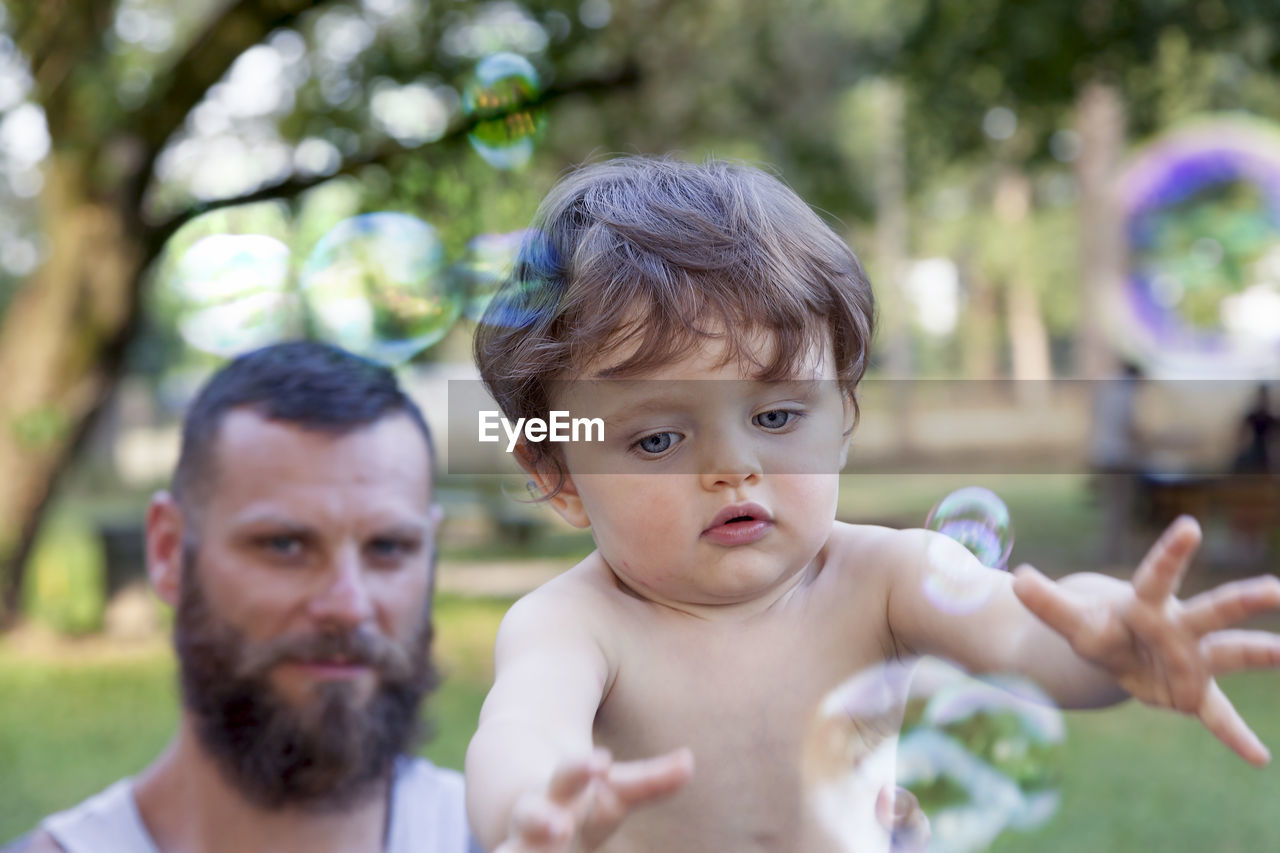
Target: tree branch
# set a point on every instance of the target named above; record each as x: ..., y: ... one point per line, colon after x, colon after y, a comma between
x: 626, y: 77
x: 237, y: 28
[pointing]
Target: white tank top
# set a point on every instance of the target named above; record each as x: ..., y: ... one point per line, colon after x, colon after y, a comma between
x: 428, y: 815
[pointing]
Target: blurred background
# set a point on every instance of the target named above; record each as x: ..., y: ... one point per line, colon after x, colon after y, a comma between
x: 1070, y: 210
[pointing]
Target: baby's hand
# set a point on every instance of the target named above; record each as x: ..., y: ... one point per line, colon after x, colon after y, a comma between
x: 588, y: 799
x: 1163, y: 651
x: 900, y: 814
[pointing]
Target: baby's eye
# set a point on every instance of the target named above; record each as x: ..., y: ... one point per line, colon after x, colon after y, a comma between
x: 775, y: 419
x: 659, y: 442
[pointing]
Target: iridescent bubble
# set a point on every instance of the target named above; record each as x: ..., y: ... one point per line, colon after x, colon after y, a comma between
x: 981, y: 757
x: 488, y: 263
x: 501, y: 99
x: 376, y: 285
x: 232, y: 293
x: 532, y: 292
x: 977, y: 519
x: 1201, y: 209
x: 849, y: 757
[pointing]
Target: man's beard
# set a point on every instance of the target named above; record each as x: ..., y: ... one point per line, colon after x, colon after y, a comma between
x: 327, y: 753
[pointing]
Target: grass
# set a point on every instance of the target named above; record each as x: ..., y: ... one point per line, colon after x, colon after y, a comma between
x: 1132, y: 778
x: 1138, y: 779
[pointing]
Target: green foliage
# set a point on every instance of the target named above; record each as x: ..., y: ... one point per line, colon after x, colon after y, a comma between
x: 65, y: 583
x: 40, y: 427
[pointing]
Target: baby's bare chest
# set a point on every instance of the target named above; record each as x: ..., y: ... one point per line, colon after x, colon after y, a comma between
x: 717, y: 694
x: 746, y: 702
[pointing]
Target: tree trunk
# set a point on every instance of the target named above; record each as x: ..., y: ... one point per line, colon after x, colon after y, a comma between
x: 1100, y: 123
x: 1028, y: 337
x: 891, y: 257
x: 52, y: 339
x: 980, y: 332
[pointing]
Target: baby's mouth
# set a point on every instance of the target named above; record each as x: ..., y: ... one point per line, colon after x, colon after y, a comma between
x: 739, y: 515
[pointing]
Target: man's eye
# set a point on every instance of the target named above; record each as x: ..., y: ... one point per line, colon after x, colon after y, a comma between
x: 659, y: 442
x: 392, y: 548
x: 775, y: 419
x: 281, y: 546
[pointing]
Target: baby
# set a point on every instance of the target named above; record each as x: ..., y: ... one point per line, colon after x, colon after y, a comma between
x: 719, y: 329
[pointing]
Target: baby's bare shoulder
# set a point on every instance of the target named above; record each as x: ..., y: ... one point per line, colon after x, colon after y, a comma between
x: 872, y: 549
x: 577, y: 603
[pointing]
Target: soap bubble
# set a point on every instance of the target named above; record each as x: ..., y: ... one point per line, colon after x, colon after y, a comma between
x: 376, y: 285
x: 984, y: 756
x: 849, y: 756
x: 505, y: 130
x: 487, y: 265
x: 532, y: 292
x: 232, y: 294
x: 977, y: 519
x: 1201, y: 211
x: 980, y: 756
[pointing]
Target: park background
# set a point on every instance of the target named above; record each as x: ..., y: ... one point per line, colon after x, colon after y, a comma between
x: 974, y: 152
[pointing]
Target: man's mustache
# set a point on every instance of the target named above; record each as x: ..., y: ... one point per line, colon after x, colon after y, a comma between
x: 359, y: 647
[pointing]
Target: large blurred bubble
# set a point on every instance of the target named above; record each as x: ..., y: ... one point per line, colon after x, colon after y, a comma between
x: 376, y: 285
x: 504, y: 134
x: 232, y: 293
x: 1202, y: 219
x: 982, y: 757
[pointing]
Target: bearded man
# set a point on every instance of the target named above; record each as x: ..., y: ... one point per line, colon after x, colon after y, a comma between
x: 297, y: 547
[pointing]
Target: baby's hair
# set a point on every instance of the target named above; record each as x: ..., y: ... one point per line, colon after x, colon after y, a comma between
x: 654, y: 257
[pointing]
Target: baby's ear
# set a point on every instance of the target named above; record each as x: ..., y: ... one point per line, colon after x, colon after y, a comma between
x: 850, y: 421
x: 549, y: 478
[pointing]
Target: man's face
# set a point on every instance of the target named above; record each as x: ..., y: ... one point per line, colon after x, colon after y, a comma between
x: 304, y: 616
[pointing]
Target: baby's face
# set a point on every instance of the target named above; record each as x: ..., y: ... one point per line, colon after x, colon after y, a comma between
x: 710, y: 487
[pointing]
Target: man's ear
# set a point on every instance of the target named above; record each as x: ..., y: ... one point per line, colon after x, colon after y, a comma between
x: 546, y: 476
x: 164, y: 547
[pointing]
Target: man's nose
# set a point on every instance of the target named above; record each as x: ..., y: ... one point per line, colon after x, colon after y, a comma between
x: 344, y: 601
x: 730, y: 464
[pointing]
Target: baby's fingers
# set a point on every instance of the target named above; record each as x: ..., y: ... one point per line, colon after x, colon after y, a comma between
x: 1161, y: 571
x: 1229, y: 651
x: 1231, y: 603
x: 636, y: 782
x: 538, y: 826
x: 571, y: 779
x: 1222, y: 719
x: 1050, y: 603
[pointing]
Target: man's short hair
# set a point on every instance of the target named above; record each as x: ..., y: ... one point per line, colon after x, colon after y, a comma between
x: 305, y: 383
x: 656, y: 256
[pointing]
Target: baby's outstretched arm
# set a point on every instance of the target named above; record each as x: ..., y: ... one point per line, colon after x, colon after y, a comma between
x: 534, y: 781
x: 1163, y: 651
x: 588, y: 799
x: 1092, y: 640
